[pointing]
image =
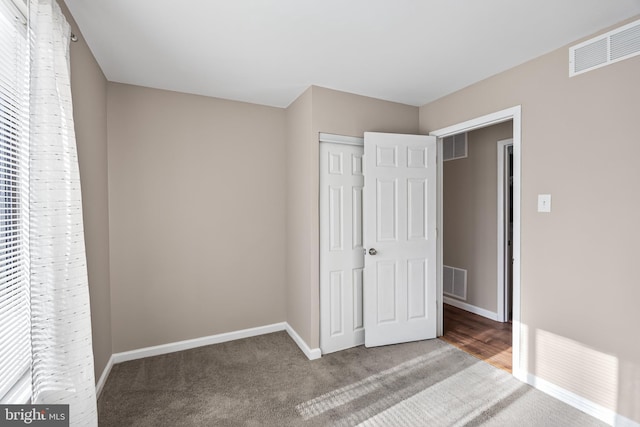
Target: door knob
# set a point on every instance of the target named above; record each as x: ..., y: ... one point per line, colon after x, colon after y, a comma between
x: 372, y: 251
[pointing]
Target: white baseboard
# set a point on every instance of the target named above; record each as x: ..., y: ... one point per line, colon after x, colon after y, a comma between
x: 471, y: 308
x: 196, y: 342
x: 311, y: 353
x: 103, y: 378
x: 585, y: 405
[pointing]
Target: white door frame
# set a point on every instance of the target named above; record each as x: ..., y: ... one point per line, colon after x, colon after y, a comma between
x: 513, y: 113
x: 341, y: 139
x: 503, y: 316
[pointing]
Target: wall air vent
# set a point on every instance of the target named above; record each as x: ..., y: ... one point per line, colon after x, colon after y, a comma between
x: 616, y: 45
x: 455, y: 147
x: 454, y: 282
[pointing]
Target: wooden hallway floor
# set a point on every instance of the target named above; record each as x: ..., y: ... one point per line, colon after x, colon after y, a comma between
x: 483, y: 338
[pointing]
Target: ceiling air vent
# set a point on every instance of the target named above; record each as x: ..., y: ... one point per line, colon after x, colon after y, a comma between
x: 616, y: 45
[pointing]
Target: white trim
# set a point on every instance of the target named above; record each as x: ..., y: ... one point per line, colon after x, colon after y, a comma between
x: 196, y: 342
x: 502, y: 315
x: 439, y: 237
x: 477, y: 123
x: 103, y: 378
x: 517, y: 186
x: 311, y: 353
x: 515, y: 114
x: 341, y: 139
x: 585, y: 405
x: 471, y: 308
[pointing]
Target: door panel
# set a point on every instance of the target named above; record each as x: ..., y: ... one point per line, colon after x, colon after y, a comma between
x: 417, y: 195
x: 415, y: 284
x: 356, y: 204
x: 335, y: 291
x: 386, y: 291
x: 341, y: 250
x: 400, y: 225
x: 386, y: 204
x: 336, y: 216
x: 358, y: 319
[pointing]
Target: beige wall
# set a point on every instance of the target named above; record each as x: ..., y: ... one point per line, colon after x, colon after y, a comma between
x: 298, y: 160
x: 322, y: 110
x: 197, y: 232
x: 89, y: 91
x: 470, y: 212
x: 579, y: 290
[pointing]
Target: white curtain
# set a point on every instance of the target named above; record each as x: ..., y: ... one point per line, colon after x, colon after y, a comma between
x: 62, y: 364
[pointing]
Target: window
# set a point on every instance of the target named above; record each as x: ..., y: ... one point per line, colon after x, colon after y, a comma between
x: 15, y: 343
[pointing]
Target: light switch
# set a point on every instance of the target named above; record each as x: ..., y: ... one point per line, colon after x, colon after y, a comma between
x: 544, y: 202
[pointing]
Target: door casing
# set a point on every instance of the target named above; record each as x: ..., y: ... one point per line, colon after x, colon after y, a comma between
x: 514, y: 114
x: 503, y: 220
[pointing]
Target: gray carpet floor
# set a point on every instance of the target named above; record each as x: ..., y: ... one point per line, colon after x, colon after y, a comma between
x: 267, y: 381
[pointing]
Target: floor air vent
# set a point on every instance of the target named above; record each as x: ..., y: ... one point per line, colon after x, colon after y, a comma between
x: 454, y: 282
x: 616, y: 45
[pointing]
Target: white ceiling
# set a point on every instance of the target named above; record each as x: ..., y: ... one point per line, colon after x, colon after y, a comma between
x: 268, y: 52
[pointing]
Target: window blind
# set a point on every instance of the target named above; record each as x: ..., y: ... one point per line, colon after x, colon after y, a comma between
x: 15, y: 341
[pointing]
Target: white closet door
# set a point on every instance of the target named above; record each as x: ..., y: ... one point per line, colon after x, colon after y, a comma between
x: 341, y: 250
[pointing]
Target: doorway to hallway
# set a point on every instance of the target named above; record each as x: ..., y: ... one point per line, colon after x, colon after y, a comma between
x: 483, y: 244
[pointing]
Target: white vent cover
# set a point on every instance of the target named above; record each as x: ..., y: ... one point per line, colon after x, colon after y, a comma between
x: 454, y: 282
x: 616, y: 45
x: 454, y: 147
